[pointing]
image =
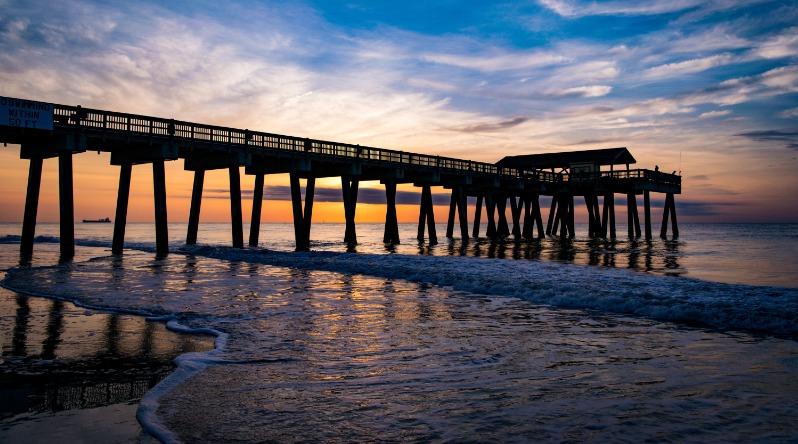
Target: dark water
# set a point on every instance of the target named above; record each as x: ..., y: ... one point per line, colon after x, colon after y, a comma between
x: 74, y: 374
x: 755, y: 254
x: 373, y: 346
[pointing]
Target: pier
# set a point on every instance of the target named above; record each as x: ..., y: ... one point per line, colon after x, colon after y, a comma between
x: 45, y: 130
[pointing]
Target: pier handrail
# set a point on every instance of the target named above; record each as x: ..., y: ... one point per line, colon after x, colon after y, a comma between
x: 65, y: 115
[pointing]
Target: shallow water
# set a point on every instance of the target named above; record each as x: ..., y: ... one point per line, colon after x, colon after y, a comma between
x: 339, y: 347
x: 754, y: 254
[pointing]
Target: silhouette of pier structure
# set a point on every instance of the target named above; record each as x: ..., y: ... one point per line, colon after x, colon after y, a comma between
x: 51, y: 130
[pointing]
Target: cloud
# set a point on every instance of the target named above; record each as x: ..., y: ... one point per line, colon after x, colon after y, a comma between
x: 582, y: 91
x: 573, y: 9
x: 788, y: 137
x: 689, y: 66
x: 497, y: 60
x: 782, y: 45
x: 789, y: 113
x: 494, y: 126
x: 713, y: 114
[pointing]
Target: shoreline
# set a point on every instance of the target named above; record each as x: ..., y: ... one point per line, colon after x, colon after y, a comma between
x: 132, y: 416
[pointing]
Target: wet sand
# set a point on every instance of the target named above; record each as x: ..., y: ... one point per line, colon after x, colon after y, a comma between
x: 77, y: 375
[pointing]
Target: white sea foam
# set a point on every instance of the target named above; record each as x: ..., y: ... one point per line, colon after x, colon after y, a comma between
x: 677, y: 299
x: 188, y: 364
x: 725, y: 306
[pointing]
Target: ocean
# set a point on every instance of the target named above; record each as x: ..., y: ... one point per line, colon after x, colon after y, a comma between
x: 683, y: 341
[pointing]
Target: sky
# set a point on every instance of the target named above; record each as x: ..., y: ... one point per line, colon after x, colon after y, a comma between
x: 708, y: 88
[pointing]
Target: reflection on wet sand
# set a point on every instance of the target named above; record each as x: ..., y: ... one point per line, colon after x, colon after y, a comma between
x: 56, y: 356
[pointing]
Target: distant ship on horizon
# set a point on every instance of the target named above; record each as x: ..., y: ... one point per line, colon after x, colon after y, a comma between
x: 107, y: 220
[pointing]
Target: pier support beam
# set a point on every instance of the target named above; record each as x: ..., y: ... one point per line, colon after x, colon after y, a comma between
x: 66, y: 205
x: 426, y: 216
x: 526, y: 205
x: 592, y: 224
x: 391, y: 234
x: 477, y: 216
x: 503, y: 229
x: 608, y: 222
x: 452, y: 210
x: 571, y: 230
x: 462, y: 213
x: 31, y: 207
x: 302, y: 217
x: 122, y: 197
x: 634, y: 217
x: 235, y: 207
x: 196, y: 203
x: 490, y: 207
x: 536, y: 216
x: 562, y: 216
x: 515, y: 212
x: 159, y: 191
x: 349, y: 188
x: 669, y: 210
x: 552, y: 216
x: 647, y: 213
x: 257, y: 205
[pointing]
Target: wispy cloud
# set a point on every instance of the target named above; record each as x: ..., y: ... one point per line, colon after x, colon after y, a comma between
x: 497, y: 61
x: 789, y: 113
x: 689, y: 66
x: 568, y: 8
x: 492, y: 126
x: 582, y: 91
x: 714, y: 114
x: 787, y: 137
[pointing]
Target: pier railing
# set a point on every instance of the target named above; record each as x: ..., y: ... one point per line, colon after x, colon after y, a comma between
x: 639, y: 175
x: 76, y: 116
x: 73, y: 116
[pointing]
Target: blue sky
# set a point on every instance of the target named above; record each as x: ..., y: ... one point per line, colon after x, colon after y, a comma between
x: 706, y: 87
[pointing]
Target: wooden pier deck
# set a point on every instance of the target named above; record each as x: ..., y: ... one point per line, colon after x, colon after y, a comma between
x: 46, y: 130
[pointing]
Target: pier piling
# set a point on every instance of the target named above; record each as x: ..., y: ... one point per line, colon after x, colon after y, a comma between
x: 349, y: 189
x: 552, y: 216
x: 159, y: 191
x: 647, y: 213
x: 31, y: 207
x: 235, y: 207
x: 196, y: 204
x: 257, y: 205
x: 515, y: 212
x: 427, y: 216
x: 477, y: 216
x: 462, y: 213
x: 490, y: 206
x: 122, y: 197
x: 537, y: 216
x: 391, y: 234
x: 302, y: 217
x: 66, y: 205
